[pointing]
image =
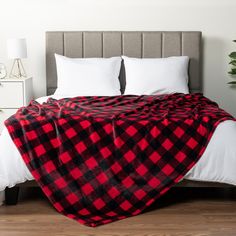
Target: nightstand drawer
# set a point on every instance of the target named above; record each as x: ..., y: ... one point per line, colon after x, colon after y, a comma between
x: 11, y: 94
x: 4, y: 114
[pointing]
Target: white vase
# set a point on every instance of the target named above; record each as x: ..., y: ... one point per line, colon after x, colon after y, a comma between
x: 2, y: 197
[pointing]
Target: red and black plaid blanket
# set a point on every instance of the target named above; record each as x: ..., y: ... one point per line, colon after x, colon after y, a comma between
x: 100, y: 159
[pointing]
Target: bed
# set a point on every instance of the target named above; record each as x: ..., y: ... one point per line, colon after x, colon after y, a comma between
x: 133, y: 44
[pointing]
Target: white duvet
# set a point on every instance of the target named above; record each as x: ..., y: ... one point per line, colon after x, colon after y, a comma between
x: 217, y: 164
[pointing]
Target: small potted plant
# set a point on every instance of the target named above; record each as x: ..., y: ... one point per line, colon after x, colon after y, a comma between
x: 232, y: 71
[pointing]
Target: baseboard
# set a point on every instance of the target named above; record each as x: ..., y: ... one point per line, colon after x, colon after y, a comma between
x: 2, y: 197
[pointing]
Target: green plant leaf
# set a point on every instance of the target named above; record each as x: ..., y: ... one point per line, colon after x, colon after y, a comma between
x: 232, y: 82
x: 233, y: 71
x: 233, y: 62
x: 232, y: 55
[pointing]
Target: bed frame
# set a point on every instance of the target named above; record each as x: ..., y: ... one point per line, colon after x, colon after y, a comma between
x: 143, y: 44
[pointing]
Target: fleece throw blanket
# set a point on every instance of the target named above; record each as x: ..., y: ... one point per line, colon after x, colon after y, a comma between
x: 101, y: 159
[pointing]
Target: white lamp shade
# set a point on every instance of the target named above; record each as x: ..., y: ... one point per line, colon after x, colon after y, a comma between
x: 16, y: 48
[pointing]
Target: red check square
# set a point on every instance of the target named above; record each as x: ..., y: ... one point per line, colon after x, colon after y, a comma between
x: 99, y: 203
x: 142, y: 170
x: 62, y: 121
x: 108, y: 128
x: 201, y: 130
x: 167, y: 144
x: 47, y: 128
x: 95, y: 137
x: 125, y: 205
x: 179, y: 132
x: 129, y: 156
x: 31, y: 135
x: 46, y: 190
x: 105, y: 152
x: 155, y: 132
x: 76, y: 173
x: 80, y: 147
x: 168, y: 169
x: 143, y: 144
x: 128, y: 182
x: 154, y: 182
x: 118, y: 142
x: 91, y: 163
x: 72, y: 198
x: 96, y: 218
x: 40, y: 150
x: 35, y: 174
x: 55, y: 142
x: 49, y: 166
x: 102, y: 178
x: 111, y: 213
x: 70, y: 133
x: 58, y: 206
x: 84, y: 212
x: 140, y: 194
x: 192, y: 143
x: 113, y: 192
x: 61, y: 183
x: 116, y: 168
x: 18, y: 142
x: 180, y: 156
x: 87, y: 188
x: 155, y: 157
x: 131, y: 130
x: 65, y: 157
x: 85, y: 124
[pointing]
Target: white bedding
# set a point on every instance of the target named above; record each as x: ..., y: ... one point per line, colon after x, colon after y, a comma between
x: 218, y: 163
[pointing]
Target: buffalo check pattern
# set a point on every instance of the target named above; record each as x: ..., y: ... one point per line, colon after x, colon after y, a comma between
x: 101, y: 159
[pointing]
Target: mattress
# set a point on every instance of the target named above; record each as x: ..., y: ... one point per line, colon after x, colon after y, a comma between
x: 217, y: 163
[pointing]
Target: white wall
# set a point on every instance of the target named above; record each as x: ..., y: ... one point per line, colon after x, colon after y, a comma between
x: 215, y: 18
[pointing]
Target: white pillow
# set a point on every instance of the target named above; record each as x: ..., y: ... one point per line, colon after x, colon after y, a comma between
x: 150, y: 76
x: 88, y: 76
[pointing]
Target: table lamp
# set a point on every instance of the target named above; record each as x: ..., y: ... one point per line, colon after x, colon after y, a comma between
x: 17, y: 49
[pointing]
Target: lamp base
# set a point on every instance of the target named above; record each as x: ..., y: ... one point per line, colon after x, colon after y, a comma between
x: 17, y: 70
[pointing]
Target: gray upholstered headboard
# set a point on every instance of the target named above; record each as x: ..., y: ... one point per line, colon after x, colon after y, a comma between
x: 133, y: 44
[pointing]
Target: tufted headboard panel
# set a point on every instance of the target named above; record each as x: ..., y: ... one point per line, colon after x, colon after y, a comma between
x: 133, y: 44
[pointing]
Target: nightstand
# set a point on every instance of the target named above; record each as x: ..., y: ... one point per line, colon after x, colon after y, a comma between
x: 14, y: 93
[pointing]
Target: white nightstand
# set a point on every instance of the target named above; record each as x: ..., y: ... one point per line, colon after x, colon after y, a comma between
x: 14, y: 93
